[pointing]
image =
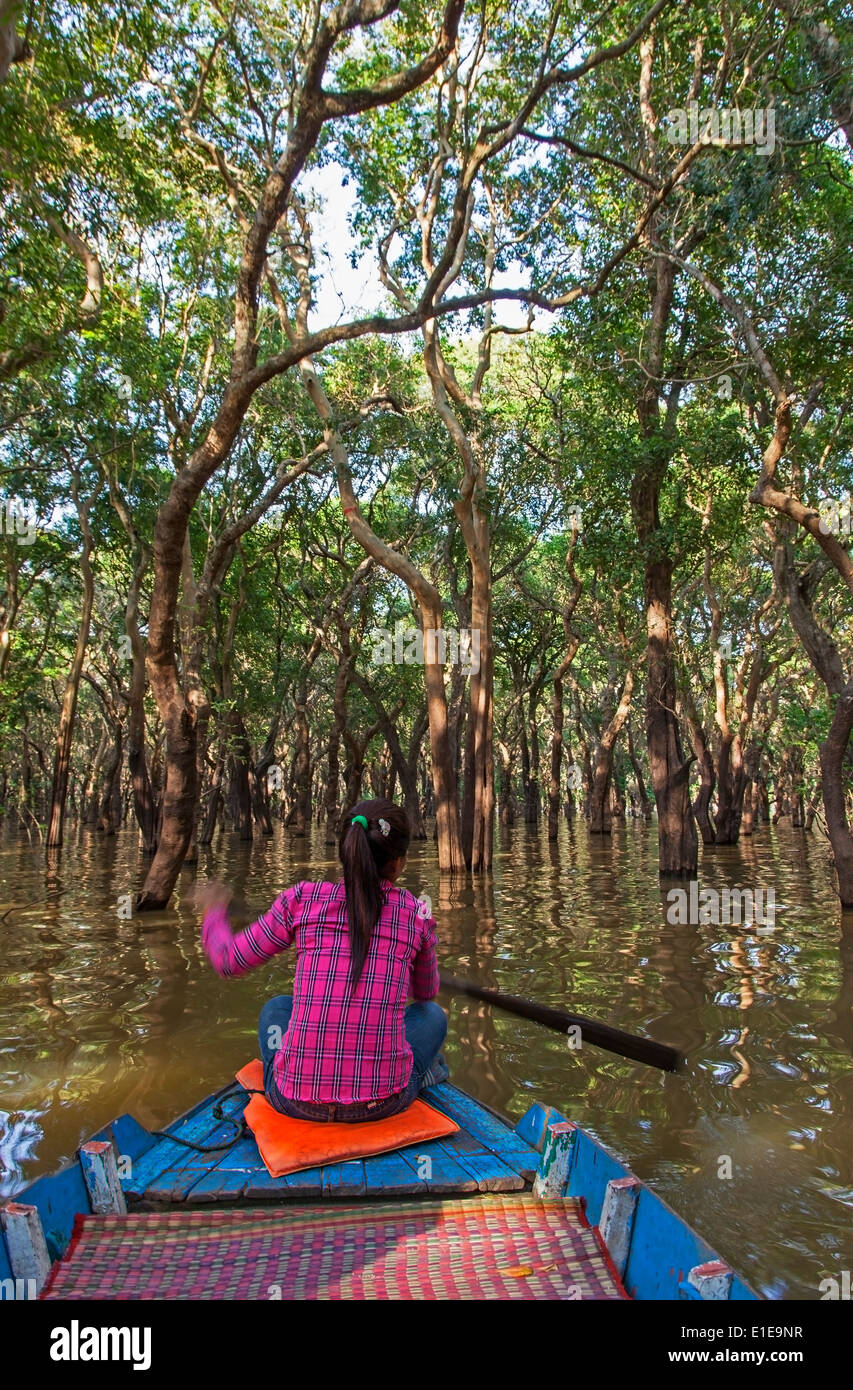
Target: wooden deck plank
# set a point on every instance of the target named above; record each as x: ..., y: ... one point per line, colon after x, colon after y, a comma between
x: 227, y: 1181
x: 261, y: 1187
x: 188, y: 1168
x: 464, y: 1143
x: 491, y: 1173
x: 394, y: 1174
x: 197, y: 1127
x: 447, y: 1173
x: 485, y: 1130
x: 344, y: 1179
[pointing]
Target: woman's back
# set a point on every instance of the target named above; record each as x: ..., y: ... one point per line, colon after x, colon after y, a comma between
x: 343, y: 1044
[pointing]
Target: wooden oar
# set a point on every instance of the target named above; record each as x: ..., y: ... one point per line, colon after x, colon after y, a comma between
x: 599, y: 1034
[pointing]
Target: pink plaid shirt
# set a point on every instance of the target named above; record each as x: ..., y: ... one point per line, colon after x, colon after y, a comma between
x: 340, y: 1046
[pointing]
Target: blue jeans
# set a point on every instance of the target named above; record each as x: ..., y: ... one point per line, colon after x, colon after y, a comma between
x: 425, y: 1027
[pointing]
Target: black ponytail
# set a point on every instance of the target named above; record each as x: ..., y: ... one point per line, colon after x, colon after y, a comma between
x: 365, y: 853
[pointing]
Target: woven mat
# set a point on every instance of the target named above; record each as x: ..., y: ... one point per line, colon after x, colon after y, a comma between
x: 492, y: 1247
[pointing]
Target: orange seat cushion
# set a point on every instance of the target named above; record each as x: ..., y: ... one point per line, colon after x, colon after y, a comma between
x: 289, y: 1145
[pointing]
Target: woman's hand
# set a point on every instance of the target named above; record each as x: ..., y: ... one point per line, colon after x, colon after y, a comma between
x: 204, y: 897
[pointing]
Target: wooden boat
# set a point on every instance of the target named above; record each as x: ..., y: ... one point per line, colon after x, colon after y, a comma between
x: 541, y: 1210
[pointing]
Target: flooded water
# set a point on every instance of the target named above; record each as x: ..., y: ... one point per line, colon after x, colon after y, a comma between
x: 100, y: 1014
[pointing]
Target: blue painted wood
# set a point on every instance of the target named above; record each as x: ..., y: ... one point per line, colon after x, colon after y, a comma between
x: 308, y: 1183
x: 464, y: 1143
x: 663, y: 1251
x: 445, y: 1171
x: 5, y: 1267
x: 475, y: 1119
x: 533, y: 1126
x: 218, y: 1186
x: 592, y: 1169
x: 394, y: 1174
x: 130, y: 1139
x: 58, y: 1197
x: 449, y: 1176
x: 61, y: 1196
x: 226, y: 1180
x: 188, y: 1167
x: 344, y: 1179
x: 467, y: 1113
x: 485, y: 1154
x: 493, y: 1135
x: 198, y: 1126
x: 491, y: 1173
x: 304, y: 1186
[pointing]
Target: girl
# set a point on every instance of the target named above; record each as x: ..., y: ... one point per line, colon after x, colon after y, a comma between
x: 344, y: 1046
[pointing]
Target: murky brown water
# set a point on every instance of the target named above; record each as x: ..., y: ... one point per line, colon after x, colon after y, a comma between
x: 99, y: 1015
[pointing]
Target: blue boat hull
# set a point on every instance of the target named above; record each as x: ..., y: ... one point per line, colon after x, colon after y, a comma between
x: 658, y: 1253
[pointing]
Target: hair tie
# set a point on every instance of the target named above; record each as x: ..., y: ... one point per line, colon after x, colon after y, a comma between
x: 362, y: 820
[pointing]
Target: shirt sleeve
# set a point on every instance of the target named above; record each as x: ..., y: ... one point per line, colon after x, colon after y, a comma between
x: 425, y: 981
x: 234, y: 954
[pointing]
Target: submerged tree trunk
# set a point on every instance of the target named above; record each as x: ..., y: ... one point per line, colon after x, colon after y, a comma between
x: 259, y: 788
x: 751, y: 799
x: 645, y: 804
x: 109, y: 811
x: 339, y: 715
x: 214, y: 800
x: 506, y: 795
x: 299, y: 820
x: 444, y: 781
x: 826, y: 659
x: 68, y: 709
x: 678, y: 842
x: 833, y: 754
x: 89, y: 791
x: 531, y: 755
x: 557, y: 713
x: 239, y: 769
x: 478, y: 804
x: 600, y: 805
x: 814, y: 801
x: 707, y: 771
x: 144, y: 807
